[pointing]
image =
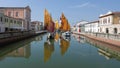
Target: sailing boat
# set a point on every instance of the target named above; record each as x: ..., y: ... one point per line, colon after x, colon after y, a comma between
x: 56, y: 26
x: 65, y: 26
x: 49, y: 24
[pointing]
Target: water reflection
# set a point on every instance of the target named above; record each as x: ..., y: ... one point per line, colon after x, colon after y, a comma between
x: 21, y: 52
x: 57, y: 37
x: 79, y: 38
x: 48, y: 49
x: 49, y: 46
x: 106, y: 50
x: 39, y: 38
x: 19, y: 49
x: 104, y: 53
x: 64, y: 45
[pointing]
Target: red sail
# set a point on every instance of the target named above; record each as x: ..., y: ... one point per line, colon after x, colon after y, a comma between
x: 51, y: 27
x: 48, y: 22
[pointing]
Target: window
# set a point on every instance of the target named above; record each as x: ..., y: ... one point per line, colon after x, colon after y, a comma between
x: 18, y: 22
x: 108, y: 20
x: 1, y: 19
x: 107, y: 30
x: 5, y: 20
x: 115, y: 30
x: 17, y: 14
x: 14, y: 22
x: 11, y: 21
x: 104, y: 21
x: 9, y: 13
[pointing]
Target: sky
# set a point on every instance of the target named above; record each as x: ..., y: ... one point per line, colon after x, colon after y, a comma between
x: 74, y: 10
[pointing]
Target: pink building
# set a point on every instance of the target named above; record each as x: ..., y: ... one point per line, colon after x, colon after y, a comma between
x: 20, y: 13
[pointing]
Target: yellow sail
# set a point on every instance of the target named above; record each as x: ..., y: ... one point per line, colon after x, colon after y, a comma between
x: 65, y: 26
x: 47, y: 19
x: 46, y: 16
x: 56, y: 25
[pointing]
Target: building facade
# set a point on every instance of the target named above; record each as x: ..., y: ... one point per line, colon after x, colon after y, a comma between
x: 36, y: 25
x: 79, y: 27
x: 23, y: 13
x: 2, y: 24
x: 110, y: 23
x: 8, y: 24
x: 92, y: 27
x: 87, y: 27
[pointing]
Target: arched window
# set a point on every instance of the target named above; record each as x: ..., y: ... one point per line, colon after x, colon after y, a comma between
x: 107, y: 31
x: 115, y: 30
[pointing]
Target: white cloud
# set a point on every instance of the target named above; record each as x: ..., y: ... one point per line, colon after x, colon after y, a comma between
x: 81, y: 5
x: 87, y: 4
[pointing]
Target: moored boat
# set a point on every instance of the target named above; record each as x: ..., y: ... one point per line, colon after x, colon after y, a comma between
x: 49, y: 24
x: 65, y: 26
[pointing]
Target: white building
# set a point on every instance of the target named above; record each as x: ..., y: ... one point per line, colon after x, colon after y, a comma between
x: 79, y: 27
x: 110, y: 23
x: 92, y: 27
x: 87, y: 27
x: 36, y: 25
x: 9, y: 23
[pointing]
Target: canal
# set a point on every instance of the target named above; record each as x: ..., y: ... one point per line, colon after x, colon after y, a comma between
x: 75, y: 52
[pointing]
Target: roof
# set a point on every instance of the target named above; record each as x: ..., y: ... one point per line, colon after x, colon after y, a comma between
x: 27, y: 7
x: 81, y: 23
x: 110, y: 13
x: 94, y: 22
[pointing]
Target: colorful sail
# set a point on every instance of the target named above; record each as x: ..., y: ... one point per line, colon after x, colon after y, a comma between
x: 51, y: 27
x: 65, y: 26
x: 56, y: 25
x: 46, y: 19
x: 48, y: 22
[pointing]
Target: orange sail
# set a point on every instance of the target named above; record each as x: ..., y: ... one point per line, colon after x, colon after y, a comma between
x: 65, y: 26
x: 48, y: 22
x: 46, y: 19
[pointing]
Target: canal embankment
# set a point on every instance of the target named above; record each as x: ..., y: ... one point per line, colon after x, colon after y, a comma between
x: 101, y: 39
x: 10, y: 37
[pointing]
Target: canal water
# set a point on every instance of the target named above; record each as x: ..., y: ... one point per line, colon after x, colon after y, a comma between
x: 73, y: 52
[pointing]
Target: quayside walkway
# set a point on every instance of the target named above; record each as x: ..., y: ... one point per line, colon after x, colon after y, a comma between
x: 9, y: 37
x: 101, y: 39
